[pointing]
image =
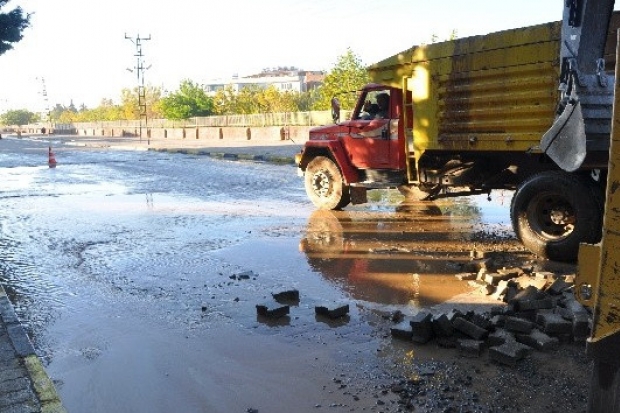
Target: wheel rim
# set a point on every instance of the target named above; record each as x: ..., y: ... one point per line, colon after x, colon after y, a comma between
x: 552, y: 216
x: 322, y: 183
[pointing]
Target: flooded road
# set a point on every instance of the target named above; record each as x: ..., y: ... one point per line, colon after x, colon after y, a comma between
x: 137, y: 275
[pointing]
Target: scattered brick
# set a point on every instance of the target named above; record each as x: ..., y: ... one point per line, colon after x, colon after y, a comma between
x: 581, y: 325
x: 422, y: 328
x: 510, y: 294
x: 442, y: 326
x: 538, y: 340
x: 500, y: 290
x: 558, y: 286
x: 509, y: 353
x: 470, y: 329
x: 332, y: 310
x: 499, y: 337
x: 402, y: 330
x: 272, y: 310
x: 518, y: 325
x: 527, y: 305
x: 510, y: 272
x: 528, y: 293
x: 554, y: 324
x: 287, y: 297
x: 481, y: 321
x: 495, y: 278
x: 470, y: 348
x: 466, y: 276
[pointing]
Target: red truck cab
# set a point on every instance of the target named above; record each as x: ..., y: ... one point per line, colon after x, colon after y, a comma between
x: 340, y: 162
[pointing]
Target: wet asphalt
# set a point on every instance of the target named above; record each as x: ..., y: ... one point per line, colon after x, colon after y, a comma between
x: 25, y: 386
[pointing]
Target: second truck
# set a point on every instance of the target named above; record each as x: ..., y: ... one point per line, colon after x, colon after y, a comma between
x: 525, y: 109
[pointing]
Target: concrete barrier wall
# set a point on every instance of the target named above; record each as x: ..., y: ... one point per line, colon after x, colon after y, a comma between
x: 297, y: 134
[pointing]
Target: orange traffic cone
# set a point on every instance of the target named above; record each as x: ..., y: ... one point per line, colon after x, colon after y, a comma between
x: 51, y: 159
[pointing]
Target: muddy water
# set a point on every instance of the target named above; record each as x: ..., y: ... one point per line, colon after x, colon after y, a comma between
x: 138, y: 278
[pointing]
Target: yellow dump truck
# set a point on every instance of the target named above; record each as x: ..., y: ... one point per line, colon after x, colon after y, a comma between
x: 471, y: 115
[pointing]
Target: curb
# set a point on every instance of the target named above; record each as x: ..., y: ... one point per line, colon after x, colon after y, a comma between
x: 41, y: 383
x: 277, y: 159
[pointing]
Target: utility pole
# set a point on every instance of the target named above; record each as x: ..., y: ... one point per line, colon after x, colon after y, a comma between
x: 45, y: 114
x: 140, y: 69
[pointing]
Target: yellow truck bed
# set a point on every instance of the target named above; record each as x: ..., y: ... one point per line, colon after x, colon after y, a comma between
x: 481, y: 93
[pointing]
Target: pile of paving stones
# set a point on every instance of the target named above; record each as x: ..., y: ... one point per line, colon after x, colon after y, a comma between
x: 539, y: 312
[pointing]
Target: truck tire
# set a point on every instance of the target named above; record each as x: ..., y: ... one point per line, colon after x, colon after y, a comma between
x: 324, y: 184
x: 554, y: 211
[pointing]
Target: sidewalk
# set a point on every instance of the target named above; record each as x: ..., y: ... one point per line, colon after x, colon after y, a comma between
x: 24, y: 384
x: 281, y: 152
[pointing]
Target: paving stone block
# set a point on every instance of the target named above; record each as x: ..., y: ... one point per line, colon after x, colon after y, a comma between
x: 581, y: 325
x: 470, y: 348
x: 272, y: 309
x: 286, y: 297
x: 499, y: 337
x: 573, y: 306
x: 402, y: 330
x: 518, y: 325
x: 422, y: 327
x: 528, y: 293
x: 527, y: 305
x: 558, y: 286
x: 442, y: 326
x: 498, y: 320
x: 500, y: 290
x: 538, y: 340
x: 466, y: 276
x: 332, y: 310
x: 509, y: 353
x: 482, y: 287
x: 481, y: 321
x: 510, y: 294
x: 510, y: 272
x: 470, y: 329
x: 495, y: 278
x: 554, y: 324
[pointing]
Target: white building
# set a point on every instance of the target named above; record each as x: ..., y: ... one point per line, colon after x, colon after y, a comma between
x: 282, y: 80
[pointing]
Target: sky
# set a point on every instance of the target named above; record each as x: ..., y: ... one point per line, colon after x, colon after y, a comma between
x: 77, y: 51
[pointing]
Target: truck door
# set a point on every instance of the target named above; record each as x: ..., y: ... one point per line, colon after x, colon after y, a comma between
x: 372, y: 141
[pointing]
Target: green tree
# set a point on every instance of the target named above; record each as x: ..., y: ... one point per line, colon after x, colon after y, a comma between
x: 12, y: 24
x: 348, y: 75
x: 189, y: 101
x: 130, y: 107
x: 18, y: 117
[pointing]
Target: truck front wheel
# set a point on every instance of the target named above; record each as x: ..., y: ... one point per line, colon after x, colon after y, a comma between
x: 553, y: 212
x: 324, y: 184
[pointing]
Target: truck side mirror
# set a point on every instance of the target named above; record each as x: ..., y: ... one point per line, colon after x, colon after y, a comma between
x: 335, y: 110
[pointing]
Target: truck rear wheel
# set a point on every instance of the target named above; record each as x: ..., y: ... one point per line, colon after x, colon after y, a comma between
x: 324, y: 184
x: 553, y: 212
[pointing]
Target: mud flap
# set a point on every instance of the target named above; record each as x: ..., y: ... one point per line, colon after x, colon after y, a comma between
x: 358, y: 195
x: 565, y: 141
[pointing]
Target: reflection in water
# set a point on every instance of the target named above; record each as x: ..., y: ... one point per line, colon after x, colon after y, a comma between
x: 407, y: 255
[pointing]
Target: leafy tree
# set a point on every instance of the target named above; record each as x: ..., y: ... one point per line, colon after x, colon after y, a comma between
x: 129, y: 103
x: 11, y: 26
x: 224, y: 101
x: 348, y: 75
x: 190, y: 100
x: 18, y: 117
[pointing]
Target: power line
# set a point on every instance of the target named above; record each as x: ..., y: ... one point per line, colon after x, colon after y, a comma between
x: 140, y: 69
